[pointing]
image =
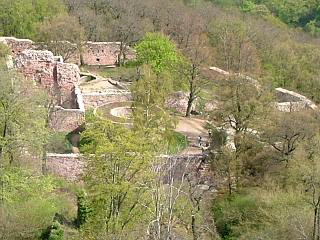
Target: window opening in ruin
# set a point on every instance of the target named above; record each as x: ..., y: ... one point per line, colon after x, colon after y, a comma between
x: 98, y: 59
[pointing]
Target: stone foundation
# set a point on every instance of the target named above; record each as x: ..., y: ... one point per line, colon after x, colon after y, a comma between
x: 94, y: 100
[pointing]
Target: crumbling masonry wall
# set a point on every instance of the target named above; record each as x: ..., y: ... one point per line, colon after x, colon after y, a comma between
x: 104, y: 53
x: 93, y: 53
x: 17, y: 46
x: 60, y: 79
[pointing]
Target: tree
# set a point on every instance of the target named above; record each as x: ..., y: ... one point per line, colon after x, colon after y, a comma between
x: 235, y: 51
x: 127, y: 26
x: 243, y: 103
x: 243, y: 107
x: 22, y: 117
x: 20, y: 18
x: 198, y: 56
x: 150, y: 116
x: 62, y: 35
x: 28, y: 204
x: 116, y: 178
x: 304, y: 173
x: 159, y: 52
x: 287, y: 131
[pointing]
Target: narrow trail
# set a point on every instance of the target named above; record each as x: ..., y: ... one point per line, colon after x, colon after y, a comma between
x: 192, y: 128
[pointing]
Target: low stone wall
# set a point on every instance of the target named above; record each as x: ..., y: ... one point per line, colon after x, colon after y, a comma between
x: 284, y: 95
x: 94, y: 100
x: 292, y: 106
x: 71, y: 166
x: 67, y: 166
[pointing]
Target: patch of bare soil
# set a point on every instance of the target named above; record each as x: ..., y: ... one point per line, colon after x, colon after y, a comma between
x: 192, y: 128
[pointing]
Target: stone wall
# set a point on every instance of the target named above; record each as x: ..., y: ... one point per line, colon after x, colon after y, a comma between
x: 68, y: 76
x: 67, y: 166
x: 94, y: 100
x: 61, y: 80
x: 284, y: 95
x: 68, y: 120
x: 93, y: 53
x: 17, y: 46
x: 103, y: 53
x: 71, y: 166
x: 58, y: 77
x: 38, y: 66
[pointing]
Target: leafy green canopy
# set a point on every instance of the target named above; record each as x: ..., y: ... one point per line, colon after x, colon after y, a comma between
x: 159, y: 52
x: 28, y: 204
x: 117, y: 178
x: 22, y: 117
x: 20, y: 18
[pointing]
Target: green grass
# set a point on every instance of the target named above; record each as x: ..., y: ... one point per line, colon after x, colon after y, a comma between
x: 177, y: 142
x: 117, y: 73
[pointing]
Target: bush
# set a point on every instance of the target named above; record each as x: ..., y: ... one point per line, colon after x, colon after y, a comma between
x: 83, y: 208
x: 53, y: 232
x: 176, y: 142
x: 234, y: 214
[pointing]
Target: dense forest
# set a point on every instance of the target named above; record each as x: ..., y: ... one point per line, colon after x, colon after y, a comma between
x: 263, y: 187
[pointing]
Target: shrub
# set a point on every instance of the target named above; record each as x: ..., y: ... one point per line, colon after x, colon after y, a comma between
x: 234, y: 214
x: 53, y: 232
x: 83, y: 208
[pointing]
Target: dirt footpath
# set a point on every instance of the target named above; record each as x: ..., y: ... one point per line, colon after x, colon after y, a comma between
x: 192, y: 128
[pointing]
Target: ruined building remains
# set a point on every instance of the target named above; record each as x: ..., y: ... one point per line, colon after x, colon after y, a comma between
x: 92, y: 53
x: 60, y: 79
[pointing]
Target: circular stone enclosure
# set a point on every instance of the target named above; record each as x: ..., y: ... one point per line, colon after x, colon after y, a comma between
x: 118, y: 112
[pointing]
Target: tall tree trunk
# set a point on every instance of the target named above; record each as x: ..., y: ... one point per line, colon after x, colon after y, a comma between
x: 315, y: 219
x: 193, y: 227
x: 189, y: 107
x: 318, y: 223
x: 190, y: 102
